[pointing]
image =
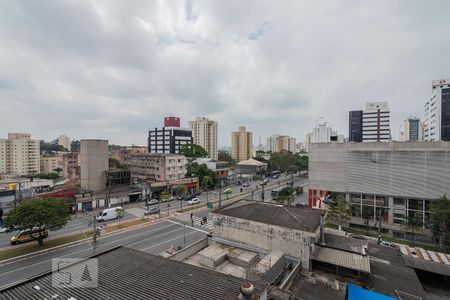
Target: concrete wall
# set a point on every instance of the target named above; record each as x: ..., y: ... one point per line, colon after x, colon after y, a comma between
x: 292, y: 242
x: 327, y: 168
x: 190, y: 250
x: 93, y: 164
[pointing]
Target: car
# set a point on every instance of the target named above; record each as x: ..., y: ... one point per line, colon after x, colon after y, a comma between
x: 109, y: 214
x: 357, y: 236
x: 180, y: 197
x: 189, y: 197
x: 170, y: 198
x: 275, y: 176
x: 246, y: 184
x: 389, y: 244
x: 152, y: 210
x: 265, y: 181
x: 301, y: 205
x: 193, y: 201
x: 28, y: 235
x: 3, y: 229
x: 152, y: 201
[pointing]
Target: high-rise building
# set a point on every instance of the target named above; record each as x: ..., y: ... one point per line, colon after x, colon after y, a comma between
x: 93, y: 164
x: 322, y: 133
x: 411, y: 130
x: 277, y: 143
x: 19, y: 154
x: 204, y: 133
x: 376, y: 122
x: 355, y: 126
x: 169, y: 139
x: 437, y: 112
x: 64, y: 141
x: 241, y: 144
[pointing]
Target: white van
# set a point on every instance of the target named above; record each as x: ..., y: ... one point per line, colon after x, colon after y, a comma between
x: 109, y: 214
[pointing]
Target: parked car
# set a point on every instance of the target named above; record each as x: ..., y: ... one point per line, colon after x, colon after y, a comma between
x: 389, y: 244
x: 180, y: 197
x: 246, y: 184
x: 189, y: 197
x: 28, y: 235
x: 357, y: 236
x: 168, y: 199
x: 109, y: 214
x: 152, y: 202
x: 193, y: 201
x: 152, y: 210
x: 3, y: 229
x: 265, y: 181
x: 275, y: 176
x: 301, y: 205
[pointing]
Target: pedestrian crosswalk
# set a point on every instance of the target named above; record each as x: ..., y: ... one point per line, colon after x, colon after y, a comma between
x: 136, y: 211
x: 197, y: 221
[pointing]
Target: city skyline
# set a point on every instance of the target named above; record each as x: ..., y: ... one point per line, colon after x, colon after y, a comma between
x: 113, y: 72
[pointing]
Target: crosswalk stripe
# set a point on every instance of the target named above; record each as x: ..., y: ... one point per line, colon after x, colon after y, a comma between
x: 197, y: 221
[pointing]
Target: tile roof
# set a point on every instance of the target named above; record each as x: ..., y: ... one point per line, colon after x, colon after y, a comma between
x: 251, y: 162
x: 300, y: 218
x: 125, y: 273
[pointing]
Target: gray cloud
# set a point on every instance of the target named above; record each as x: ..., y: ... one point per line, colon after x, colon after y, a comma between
x: 113, y: 69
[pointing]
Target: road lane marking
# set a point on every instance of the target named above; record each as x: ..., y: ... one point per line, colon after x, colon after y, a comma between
x: 168, y: 241
x: 181, y: 224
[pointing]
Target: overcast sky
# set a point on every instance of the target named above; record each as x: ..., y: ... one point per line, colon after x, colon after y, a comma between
x: 113, y: 69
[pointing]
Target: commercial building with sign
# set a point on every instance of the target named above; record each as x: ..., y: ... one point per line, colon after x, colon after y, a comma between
x: 437, y: 112
x: 402, y: 178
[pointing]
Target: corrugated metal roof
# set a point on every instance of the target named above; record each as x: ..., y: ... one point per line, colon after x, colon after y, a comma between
x: 346, y: 243
x: 427, y: 260
x: 341, y: 258
x: 124, y: 273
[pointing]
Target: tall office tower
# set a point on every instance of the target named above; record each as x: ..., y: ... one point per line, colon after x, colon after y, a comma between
x: 93, y: 164
x: 169, y: 139
x: 355, y: 126
x: 204, y: 133
x: 64, y: 141
x: 437, y: 112
x: 19, y: 154
x: 411, y: 130
x: 241, y: 144
x: 376, y: 123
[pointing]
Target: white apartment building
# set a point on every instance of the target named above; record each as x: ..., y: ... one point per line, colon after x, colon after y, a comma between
x: 156, y: 166
x: 277, y: 143
x: 411, y: 130
x: 204, y: 133
x: 322, y: 133
x: 437, y: 112
x: 64, y: 141
x: 241, y: 144
x: 19, y: 154
x: 376, y: 122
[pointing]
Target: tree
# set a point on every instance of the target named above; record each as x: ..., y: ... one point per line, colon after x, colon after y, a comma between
x: 286, y: 194
x: 441, y: 221
x: 75, y: 146
x: 164, y: 196
x: 200, y: 171
x: 193, y: 151
x: 207, y: 182
x: 50, y: 147
x: 367, y: 215
x: 225, y: 156
x: 58, y: 169
x: 301, y: 162
x: 51, y: 175
x: 180, y: 189
x: 44, y: 214
x: 413, y: 225
x: 340, y: 210
x: 115, y: 164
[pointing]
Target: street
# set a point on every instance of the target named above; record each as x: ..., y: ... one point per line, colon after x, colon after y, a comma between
x: 151, y: 239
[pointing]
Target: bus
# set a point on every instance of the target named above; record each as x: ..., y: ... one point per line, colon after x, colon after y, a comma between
x: 274, y: 193
x: 275, y: 174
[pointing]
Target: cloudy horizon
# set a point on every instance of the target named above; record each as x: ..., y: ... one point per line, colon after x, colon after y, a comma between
x: 113, y: 69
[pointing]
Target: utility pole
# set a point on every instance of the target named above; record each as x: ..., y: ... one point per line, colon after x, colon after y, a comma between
x: 94, y: 230
x: 220, y: 195
x: 379, y: 224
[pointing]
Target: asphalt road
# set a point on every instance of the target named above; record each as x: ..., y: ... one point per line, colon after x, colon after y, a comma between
x: 151, y: 239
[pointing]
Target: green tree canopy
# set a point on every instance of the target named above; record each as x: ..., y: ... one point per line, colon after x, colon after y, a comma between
x: 340, y: 210
x: 180, y: 189
x: 115, y: 164
x: 193, y: 151
x: 413, y: 225
x: 51, y: 147
x: 441, y: 221
x: 225, y: 156
x: 207, y: 182
x: 75, y: 146
x: 285, y: 195
x: 51, y: 214
x: 51, y: 175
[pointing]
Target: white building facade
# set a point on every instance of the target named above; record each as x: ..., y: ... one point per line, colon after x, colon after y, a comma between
x: 19, y: 155
x: 411, y: 130
x: 376, y: 122
x: 437, y: 112
x: 205, y: 134
x: 64, y: 141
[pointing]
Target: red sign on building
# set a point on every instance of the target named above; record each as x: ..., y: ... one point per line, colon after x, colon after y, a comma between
x: 171, y: 122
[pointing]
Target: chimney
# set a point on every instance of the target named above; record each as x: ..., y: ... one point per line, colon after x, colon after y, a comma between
x: 247, y: 291
x: 322, y: 231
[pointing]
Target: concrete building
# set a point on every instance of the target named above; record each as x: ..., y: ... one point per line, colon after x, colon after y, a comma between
x: 376, y: 122
x: 19, y: 155
x: 250, y: 167
x: 411, y: 130
x: 204, y: 133
x: 49, y: 163
x: 403, y: 178
x: 93, y: 164
x: 308, y: 141
x: 241, y: 144
x: 289, y: 229
x: 157, y: 167
x: 220, y: 168
x: 277, y: 143
x: 64, y: 141
x: 168, y: 140
x: 71, y: 165
x: 322, y: 133
x: 437, y: 112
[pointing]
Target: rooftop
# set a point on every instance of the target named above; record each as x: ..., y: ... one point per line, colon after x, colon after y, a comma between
x: 346, y: 243
x: 341, y: 258
x: 124, y: 273
x: 300, y: 218
x: 251, y: 162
